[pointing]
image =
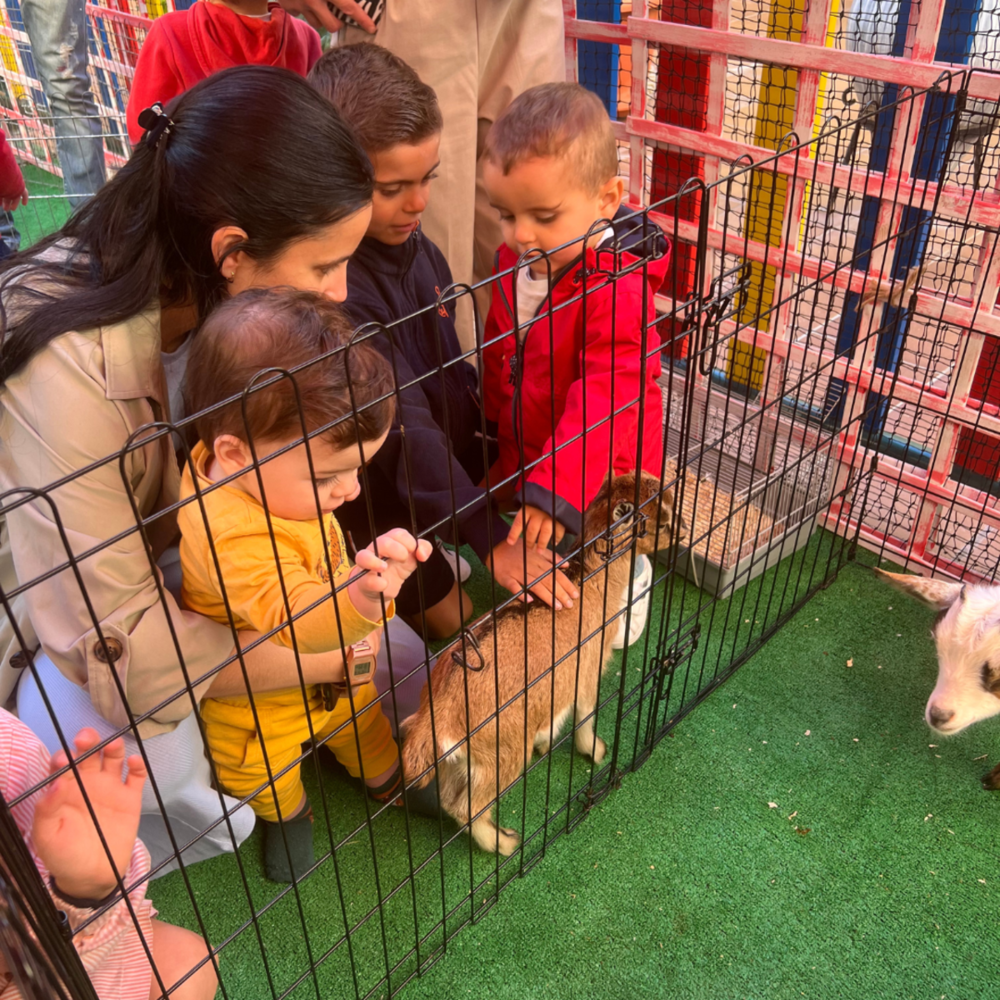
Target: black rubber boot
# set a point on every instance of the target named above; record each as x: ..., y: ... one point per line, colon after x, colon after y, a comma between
x: 299, y: 857
x: 424, y: 801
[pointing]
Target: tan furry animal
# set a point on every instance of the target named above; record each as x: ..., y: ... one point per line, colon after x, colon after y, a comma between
x: 495, y: 659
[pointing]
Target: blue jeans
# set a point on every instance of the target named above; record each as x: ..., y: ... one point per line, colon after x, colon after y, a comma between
x: 57, y: 30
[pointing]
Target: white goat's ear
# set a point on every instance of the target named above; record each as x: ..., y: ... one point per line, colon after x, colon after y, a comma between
x: 938, y: 593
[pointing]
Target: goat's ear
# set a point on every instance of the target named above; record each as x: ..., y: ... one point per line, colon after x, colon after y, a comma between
x: 613, y: 505
x: 678, y: 528
x: 938, y: 593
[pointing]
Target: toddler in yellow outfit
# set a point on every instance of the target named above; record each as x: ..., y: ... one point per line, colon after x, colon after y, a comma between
x: 261, y: 543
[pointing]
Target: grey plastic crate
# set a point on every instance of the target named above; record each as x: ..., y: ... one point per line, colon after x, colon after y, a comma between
x: 766, y: 465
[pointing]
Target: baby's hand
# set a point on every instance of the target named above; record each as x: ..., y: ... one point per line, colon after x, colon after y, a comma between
x: 63, y: 830
x: 384, y: 574
x: 539, y: 529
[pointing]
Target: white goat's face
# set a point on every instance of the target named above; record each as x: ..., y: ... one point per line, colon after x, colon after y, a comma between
x: 967, y: 636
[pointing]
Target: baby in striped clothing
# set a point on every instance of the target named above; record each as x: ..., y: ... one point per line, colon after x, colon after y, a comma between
x: 60, y: 836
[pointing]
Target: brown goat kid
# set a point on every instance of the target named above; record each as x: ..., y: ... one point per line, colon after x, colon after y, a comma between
x: 496, y: 660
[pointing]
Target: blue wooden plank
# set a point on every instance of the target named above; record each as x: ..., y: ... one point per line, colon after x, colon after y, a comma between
x: 597, y: 62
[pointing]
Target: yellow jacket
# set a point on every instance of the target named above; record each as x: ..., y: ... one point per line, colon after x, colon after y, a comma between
x: 322, y: 618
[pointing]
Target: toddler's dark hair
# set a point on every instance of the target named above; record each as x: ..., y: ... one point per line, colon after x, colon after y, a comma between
x: 379, y: 96
x: 283, y: 328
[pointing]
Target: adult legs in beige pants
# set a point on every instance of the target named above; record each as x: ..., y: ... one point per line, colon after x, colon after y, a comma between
x: 478, y: 55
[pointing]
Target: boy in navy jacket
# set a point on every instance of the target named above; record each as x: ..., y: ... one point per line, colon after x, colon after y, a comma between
x: 435, y: 450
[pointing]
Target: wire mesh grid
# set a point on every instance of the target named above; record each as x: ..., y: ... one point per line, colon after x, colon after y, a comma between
x: 388, y: 889
x: 41, y: 133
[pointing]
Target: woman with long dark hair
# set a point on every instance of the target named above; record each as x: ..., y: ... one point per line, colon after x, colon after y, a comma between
x: 249, y: 179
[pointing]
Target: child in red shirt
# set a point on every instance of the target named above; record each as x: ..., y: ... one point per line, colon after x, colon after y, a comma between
x: 186, y: 46
x: 12, y: 189
x: 571, y: 353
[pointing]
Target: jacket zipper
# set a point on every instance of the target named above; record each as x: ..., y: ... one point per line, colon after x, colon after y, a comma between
x: 517, y: 358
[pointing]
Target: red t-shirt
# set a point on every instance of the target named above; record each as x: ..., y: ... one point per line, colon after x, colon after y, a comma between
x: 11, y: 181
x: 186, y: 46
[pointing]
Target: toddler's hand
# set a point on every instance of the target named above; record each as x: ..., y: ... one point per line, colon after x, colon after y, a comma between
x: 384, y: 574
x: 539, y: 529
x: 513, y: 567
x: 63, y: 831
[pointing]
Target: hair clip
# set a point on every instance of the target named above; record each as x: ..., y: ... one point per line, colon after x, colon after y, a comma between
x: 156, y: 122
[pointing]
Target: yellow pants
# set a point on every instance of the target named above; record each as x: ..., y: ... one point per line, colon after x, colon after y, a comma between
x: 238, y: 750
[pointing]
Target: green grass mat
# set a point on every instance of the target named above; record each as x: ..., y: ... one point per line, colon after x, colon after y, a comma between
x: 47, y: 208
x: 873, y: 875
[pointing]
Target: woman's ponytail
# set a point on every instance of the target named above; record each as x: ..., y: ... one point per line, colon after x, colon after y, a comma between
x: 253, y: 146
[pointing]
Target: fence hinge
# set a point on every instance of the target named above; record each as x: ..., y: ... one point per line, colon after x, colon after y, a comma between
x: 675, y: 656
x: 594, y: 795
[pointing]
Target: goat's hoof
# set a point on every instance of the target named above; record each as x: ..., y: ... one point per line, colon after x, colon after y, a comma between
x: 542, y: 747
x: 991, y: 781
x: 507, y: 841
x: 600, y: 748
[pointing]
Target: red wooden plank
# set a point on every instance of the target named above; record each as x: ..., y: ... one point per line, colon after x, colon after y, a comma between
x: 905, y: 72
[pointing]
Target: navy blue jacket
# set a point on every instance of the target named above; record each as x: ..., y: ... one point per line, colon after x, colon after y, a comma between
x: 389, y: 283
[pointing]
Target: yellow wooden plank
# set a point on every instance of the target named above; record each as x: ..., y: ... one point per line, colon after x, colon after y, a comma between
x: 775, y: 117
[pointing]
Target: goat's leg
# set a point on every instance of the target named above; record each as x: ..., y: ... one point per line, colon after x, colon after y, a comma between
x: 486, y: 833
x: 546, y: 736
x: 491, y: 837
x: 587, y: 741
x: 991, y: 781
x: 483, y: 830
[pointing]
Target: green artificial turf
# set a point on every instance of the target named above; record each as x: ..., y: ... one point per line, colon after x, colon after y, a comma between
x: 47, y: 208
x: 872, y: 875
x: 803, y: 833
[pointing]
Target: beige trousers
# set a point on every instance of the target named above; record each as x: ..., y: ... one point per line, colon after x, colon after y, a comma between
x: 478, y: 55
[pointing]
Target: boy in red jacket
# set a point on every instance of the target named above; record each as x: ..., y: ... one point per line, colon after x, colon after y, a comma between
x: 571, y: 355
x: 186, y: 46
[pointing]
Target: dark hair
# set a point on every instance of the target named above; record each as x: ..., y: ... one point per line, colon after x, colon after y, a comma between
x: 253, y: 146
x: 283, y: 328
x: 556, y: 119
x: 382, y: 98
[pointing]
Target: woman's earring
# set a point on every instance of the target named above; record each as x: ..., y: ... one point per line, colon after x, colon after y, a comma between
x: 232, y: 276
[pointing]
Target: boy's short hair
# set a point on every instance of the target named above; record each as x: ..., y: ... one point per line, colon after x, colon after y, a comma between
x: 378, y: 94
x: 262, y: 329
x: 556, y: 119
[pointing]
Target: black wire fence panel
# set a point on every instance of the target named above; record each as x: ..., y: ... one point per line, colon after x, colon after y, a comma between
x: 799, y: 361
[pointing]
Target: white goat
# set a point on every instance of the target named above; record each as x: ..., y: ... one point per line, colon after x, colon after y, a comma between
x: 967, y: 635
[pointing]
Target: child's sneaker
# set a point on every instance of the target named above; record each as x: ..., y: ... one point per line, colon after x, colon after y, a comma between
x: 459, y: 565
x: 641, y: 584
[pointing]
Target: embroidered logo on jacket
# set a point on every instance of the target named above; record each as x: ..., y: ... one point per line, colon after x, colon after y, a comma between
x: 336, y: 553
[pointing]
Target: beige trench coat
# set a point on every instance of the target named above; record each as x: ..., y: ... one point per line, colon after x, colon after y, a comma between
x: 75, y: 404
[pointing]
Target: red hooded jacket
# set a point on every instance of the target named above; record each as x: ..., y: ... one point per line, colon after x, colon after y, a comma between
x: 558, y: 399
x: 186, y: 46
